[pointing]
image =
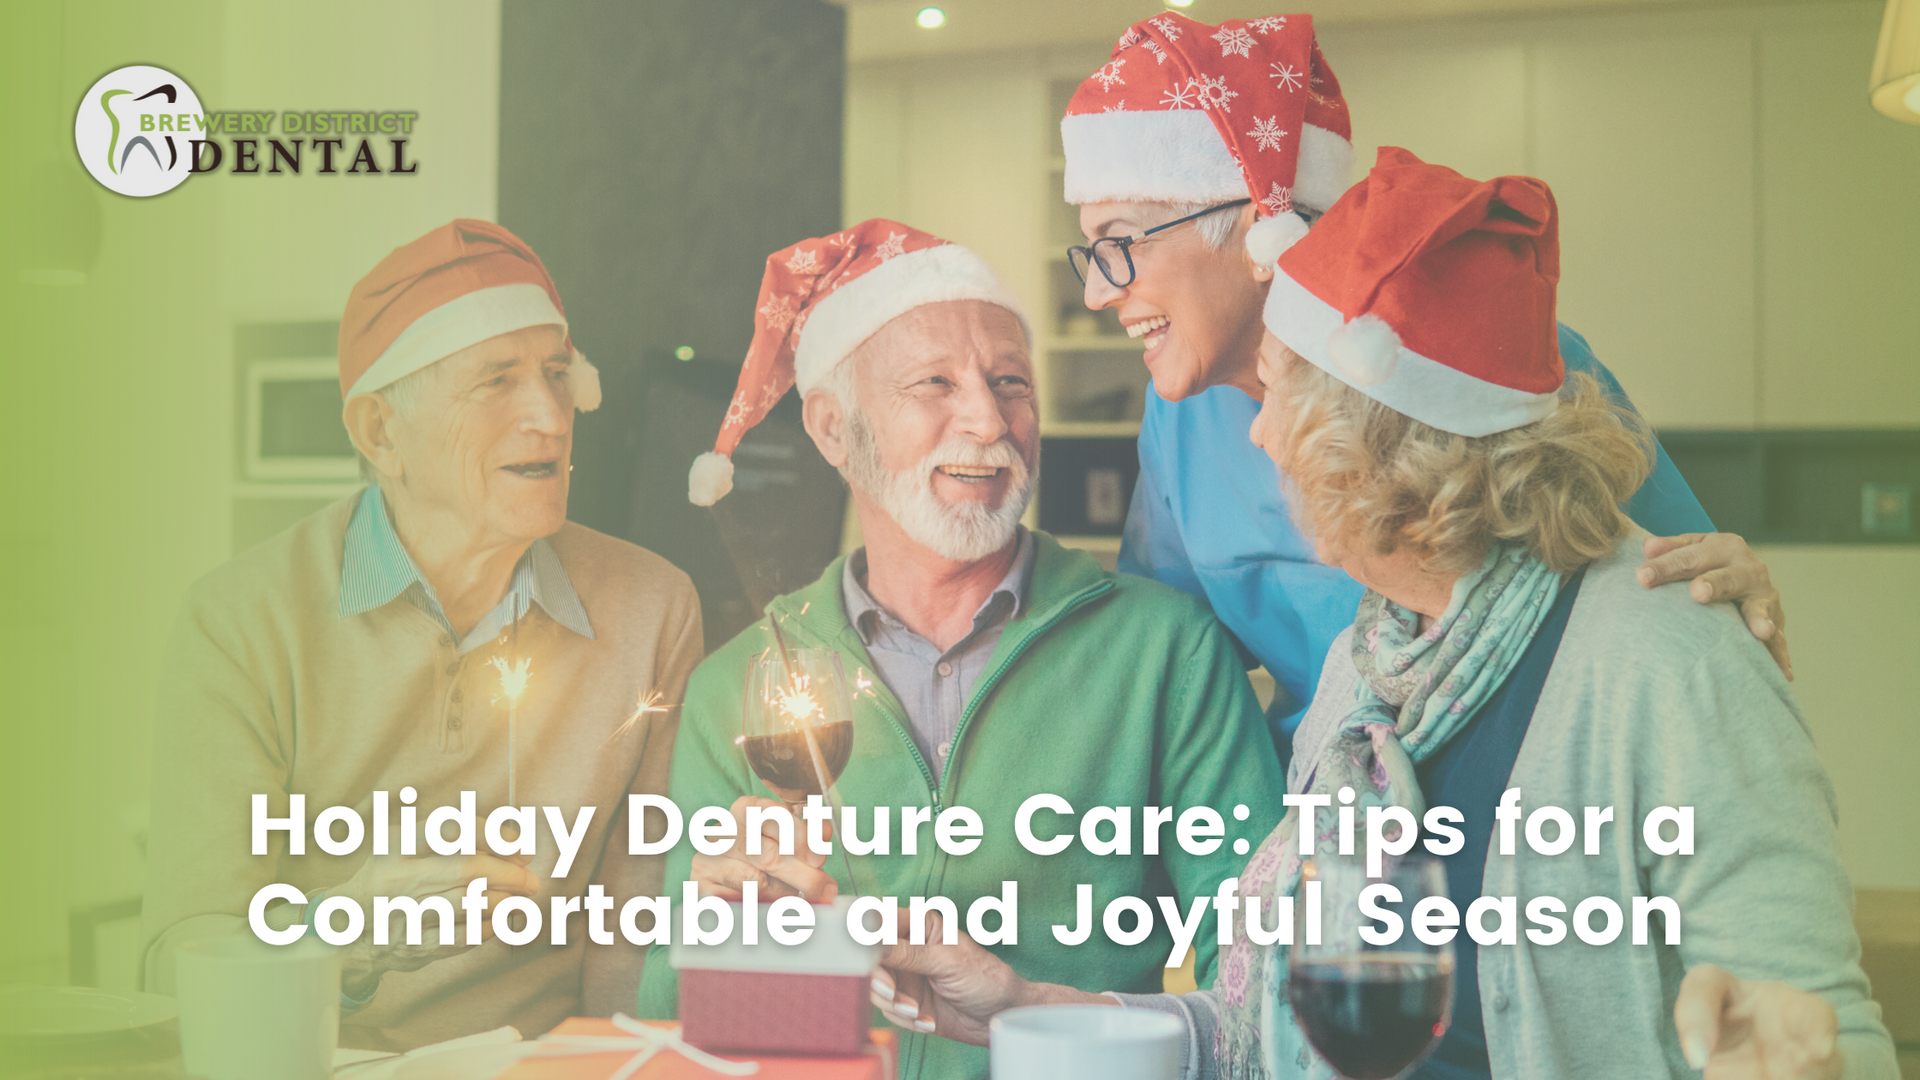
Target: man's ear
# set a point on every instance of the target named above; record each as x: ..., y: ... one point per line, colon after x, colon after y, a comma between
x: 369, y: 421
x: 826, y: 422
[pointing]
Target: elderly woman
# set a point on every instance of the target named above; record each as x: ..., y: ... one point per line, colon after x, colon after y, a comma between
x: 1436, y: 452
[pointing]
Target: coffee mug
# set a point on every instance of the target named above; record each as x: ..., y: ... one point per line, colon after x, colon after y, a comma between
x: 1085, y: 1042
x: 253, y: 1011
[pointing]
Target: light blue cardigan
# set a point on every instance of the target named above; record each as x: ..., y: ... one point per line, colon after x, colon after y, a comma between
x: 1653, y: 700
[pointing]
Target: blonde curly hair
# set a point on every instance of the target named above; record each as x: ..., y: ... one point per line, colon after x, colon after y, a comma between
x: 1366, y: 479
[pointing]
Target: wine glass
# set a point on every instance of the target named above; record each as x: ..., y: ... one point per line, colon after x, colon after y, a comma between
x: 1372, y: 1012
x: 797, y: 721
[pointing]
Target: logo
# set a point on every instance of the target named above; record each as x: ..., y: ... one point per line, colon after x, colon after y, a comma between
x: 135, y: 130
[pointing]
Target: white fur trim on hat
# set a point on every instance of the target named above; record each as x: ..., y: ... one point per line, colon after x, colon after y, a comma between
x: 839, y: 323
x: 1418, y: 386
x: 1167, y: 156
x: 710, y: 478
x: 465, y: 320
x: 1270, y: 237
x: 584, y: 380
x: 1325, y: 170
x: 1178, y: 156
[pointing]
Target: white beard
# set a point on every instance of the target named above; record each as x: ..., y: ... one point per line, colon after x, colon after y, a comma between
x: 965, y: 532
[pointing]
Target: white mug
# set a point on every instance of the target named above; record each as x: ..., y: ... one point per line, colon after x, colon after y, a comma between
x: 253, y: 1011
x: 1086, y: 1042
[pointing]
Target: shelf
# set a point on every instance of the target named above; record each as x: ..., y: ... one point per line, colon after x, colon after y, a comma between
x: 1804, y: 486
x: 1103, y: 545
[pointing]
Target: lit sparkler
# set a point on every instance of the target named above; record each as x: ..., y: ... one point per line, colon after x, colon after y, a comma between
x: 513, y: 683
x: 798, y: 702
x: 651, y: 702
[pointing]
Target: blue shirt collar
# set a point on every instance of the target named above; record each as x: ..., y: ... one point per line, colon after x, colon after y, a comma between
x: 1006, y: 600
x: 376, y: 569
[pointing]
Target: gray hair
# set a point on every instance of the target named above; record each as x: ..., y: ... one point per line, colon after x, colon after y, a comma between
x: 403, y: 396
x: 1214, y: 229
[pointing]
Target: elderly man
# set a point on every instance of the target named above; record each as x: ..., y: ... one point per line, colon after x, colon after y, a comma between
x: 1193, y: 148
x: 1006, y: 665
x: 358, y: 656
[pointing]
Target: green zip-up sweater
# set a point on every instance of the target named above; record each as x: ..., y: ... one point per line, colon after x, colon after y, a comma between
x: 1107, y: 690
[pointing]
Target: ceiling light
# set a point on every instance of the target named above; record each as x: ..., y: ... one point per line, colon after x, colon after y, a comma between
x: 931, y: 18
x: 1180, y: 3
x: 1895, y: 84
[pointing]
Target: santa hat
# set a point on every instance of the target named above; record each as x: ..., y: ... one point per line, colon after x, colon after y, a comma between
x: 821, y: 298
x: 1432, y: 294
x: 459, y: 285
x: 1186, y: 112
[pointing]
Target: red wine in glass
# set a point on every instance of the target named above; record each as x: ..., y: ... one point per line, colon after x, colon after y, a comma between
x: 1371, y: 1011
x: 1371, y: 1018
x: 797, y: 722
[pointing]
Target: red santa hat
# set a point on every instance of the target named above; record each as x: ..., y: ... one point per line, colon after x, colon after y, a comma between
x: 1432, y: 294
x: 1186, y: 112
x: 459, y: 285
x: 819, y: 300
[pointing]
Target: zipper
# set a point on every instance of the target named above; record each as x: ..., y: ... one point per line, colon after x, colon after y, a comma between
x: 993, y: 678
x: 980, y: 692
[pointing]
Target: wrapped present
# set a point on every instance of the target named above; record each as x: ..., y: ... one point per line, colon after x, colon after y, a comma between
x: 575, y: 1056
x: 769, y: 998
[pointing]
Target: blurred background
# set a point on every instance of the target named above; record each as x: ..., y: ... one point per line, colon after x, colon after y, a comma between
x: 1741, y: 239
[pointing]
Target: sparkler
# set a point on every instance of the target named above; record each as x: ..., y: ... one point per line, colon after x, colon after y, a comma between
x: 650, y: 702
x: 798, y: 702
x: 513, y: 682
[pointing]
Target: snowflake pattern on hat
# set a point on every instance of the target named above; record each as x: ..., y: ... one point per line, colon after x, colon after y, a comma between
x: 1269, y: 67
x: 796, y: 279
x: 1234, y: 41
x: 854, y: 281
x: 1266, y: 134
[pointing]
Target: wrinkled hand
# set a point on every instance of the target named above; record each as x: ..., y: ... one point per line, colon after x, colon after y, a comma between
x: 798, y: 874
x: 1741, y: 1030
x: 1722, y: 567
x: 422, y: 876
x: 956, y: 990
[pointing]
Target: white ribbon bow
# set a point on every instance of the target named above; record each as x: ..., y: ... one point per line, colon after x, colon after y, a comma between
x: 646, y: 1041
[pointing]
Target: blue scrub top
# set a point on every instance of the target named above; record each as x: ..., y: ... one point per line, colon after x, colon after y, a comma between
x: 1208, y: 518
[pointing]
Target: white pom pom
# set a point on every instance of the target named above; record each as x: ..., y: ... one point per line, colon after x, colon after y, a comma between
x: 1365, y: 351
x: 710, y: 478
x: 584, y: 380
x: 1269, y: 237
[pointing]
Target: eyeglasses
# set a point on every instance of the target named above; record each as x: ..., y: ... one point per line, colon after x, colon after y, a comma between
x: 1114, y: 254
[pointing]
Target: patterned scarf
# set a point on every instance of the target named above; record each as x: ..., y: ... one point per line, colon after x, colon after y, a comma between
x: 1416, y: 691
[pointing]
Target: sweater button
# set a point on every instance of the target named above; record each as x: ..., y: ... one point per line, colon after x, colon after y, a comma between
x: 945, y: 669
x: 1500, y: 1003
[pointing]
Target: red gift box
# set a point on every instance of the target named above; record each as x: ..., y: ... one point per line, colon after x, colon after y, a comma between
x: 874, y: 1062
x: 769, y: 998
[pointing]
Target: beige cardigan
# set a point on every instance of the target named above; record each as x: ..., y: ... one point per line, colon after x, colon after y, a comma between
x: 266, y: 689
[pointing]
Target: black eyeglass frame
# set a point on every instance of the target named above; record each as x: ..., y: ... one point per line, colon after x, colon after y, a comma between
x: 1087, y: 255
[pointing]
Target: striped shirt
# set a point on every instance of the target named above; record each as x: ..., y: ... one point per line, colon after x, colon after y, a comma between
x: 931, y: 685
x: 376, y: 569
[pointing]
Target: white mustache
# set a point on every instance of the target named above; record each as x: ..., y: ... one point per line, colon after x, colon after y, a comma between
x: 963, y: 451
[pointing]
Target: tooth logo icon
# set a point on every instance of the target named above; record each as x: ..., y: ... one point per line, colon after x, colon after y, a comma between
x: 135, y: 128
